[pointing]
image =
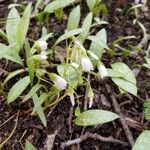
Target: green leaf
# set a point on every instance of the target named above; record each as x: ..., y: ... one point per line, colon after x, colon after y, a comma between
x: 147, y: 109
x: 11, y: 25
x: 17, y: 89
x: 142, y: 143
x: 74, y: 18
x: 52, y: 6
x: 125, y: 70
x: 125, y: 85
x: 95, y: 47
x: 101, y: 42
x: 95, y: 117
x: 23, y: 25
x: 86, y: 27
x: 39, y: 109
x: 13, y: 74
x: 114, y: 73
x: 69, y: 34
x: 4, y: 50
x: 3, y: 35
x: 14, y: 56
x: 32, y: 91
x: 92, y: 3
x: 29, y: 146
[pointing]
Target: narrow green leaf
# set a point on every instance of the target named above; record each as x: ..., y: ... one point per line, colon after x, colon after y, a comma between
x: 95, y: 117
x: 142, y: 143
x: 101, y: 37
x: 74, y: 18
x: 69, y: 34
x: 11, y: 25
x: 39, y: 109
x: 3, y: 35
x: 13, y: 74
x: 29, y: 146
x: 52, y: 6
x: 86, y: 27
x: 125, y: 70
x: 32, y: 91
x: 17, y: 89
x: 125, y: 85
x: 23, y: 25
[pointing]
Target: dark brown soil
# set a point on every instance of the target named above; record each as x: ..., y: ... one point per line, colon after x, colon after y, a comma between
x: 60, y: 121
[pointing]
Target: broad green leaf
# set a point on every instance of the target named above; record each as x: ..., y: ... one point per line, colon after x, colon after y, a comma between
x: 23, y: 25
x: 3, y: 35
x: 11, y: 25
x: 125, y: 85
x: 56, y: 4
x: 86, y: 27
x: 142, y: 143
x: 125, y: 70
x: 101, y: 39
x: 29, y: 146
x: 114, y: 73
x: 101, y: 42
x: 74, y: 18
x: 17, y: 89
x: 92, y: 3
x: 13, y: 74
x: 95, y: 117
x: 39, y: 109
x: 69, y: 34
x: 32, y: 91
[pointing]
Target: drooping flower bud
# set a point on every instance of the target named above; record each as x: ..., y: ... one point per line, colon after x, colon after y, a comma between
x: 59, y: 82
x: 43, y: 56
x: 42, y: 45
x: 86, y: 64
x: 102, y: 71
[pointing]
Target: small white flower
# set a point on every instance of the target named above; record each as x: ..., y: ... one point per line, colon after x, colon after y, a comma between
x: 86, y: 64
x: 43, y: 55
x: 42, y: 45
x: 102, y: 71
x: 60, y: 83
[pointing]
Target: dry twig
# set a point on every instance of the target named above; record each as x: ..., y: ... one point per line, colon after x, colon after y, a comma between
x: 93, y: 136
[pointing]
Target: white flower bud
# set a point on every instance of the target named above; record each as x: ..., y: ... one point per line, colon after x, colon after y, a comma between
x: 75, y: 65
x: 86, y: 64
x: 42, y: 45
x: 43, y: 57
x: 60, y: 83
x: 102, y: 71
x: 72, y: 99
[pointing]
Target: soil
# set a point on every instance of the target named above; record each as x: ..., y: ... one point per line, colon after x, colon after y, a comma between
x: 60, y: 121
